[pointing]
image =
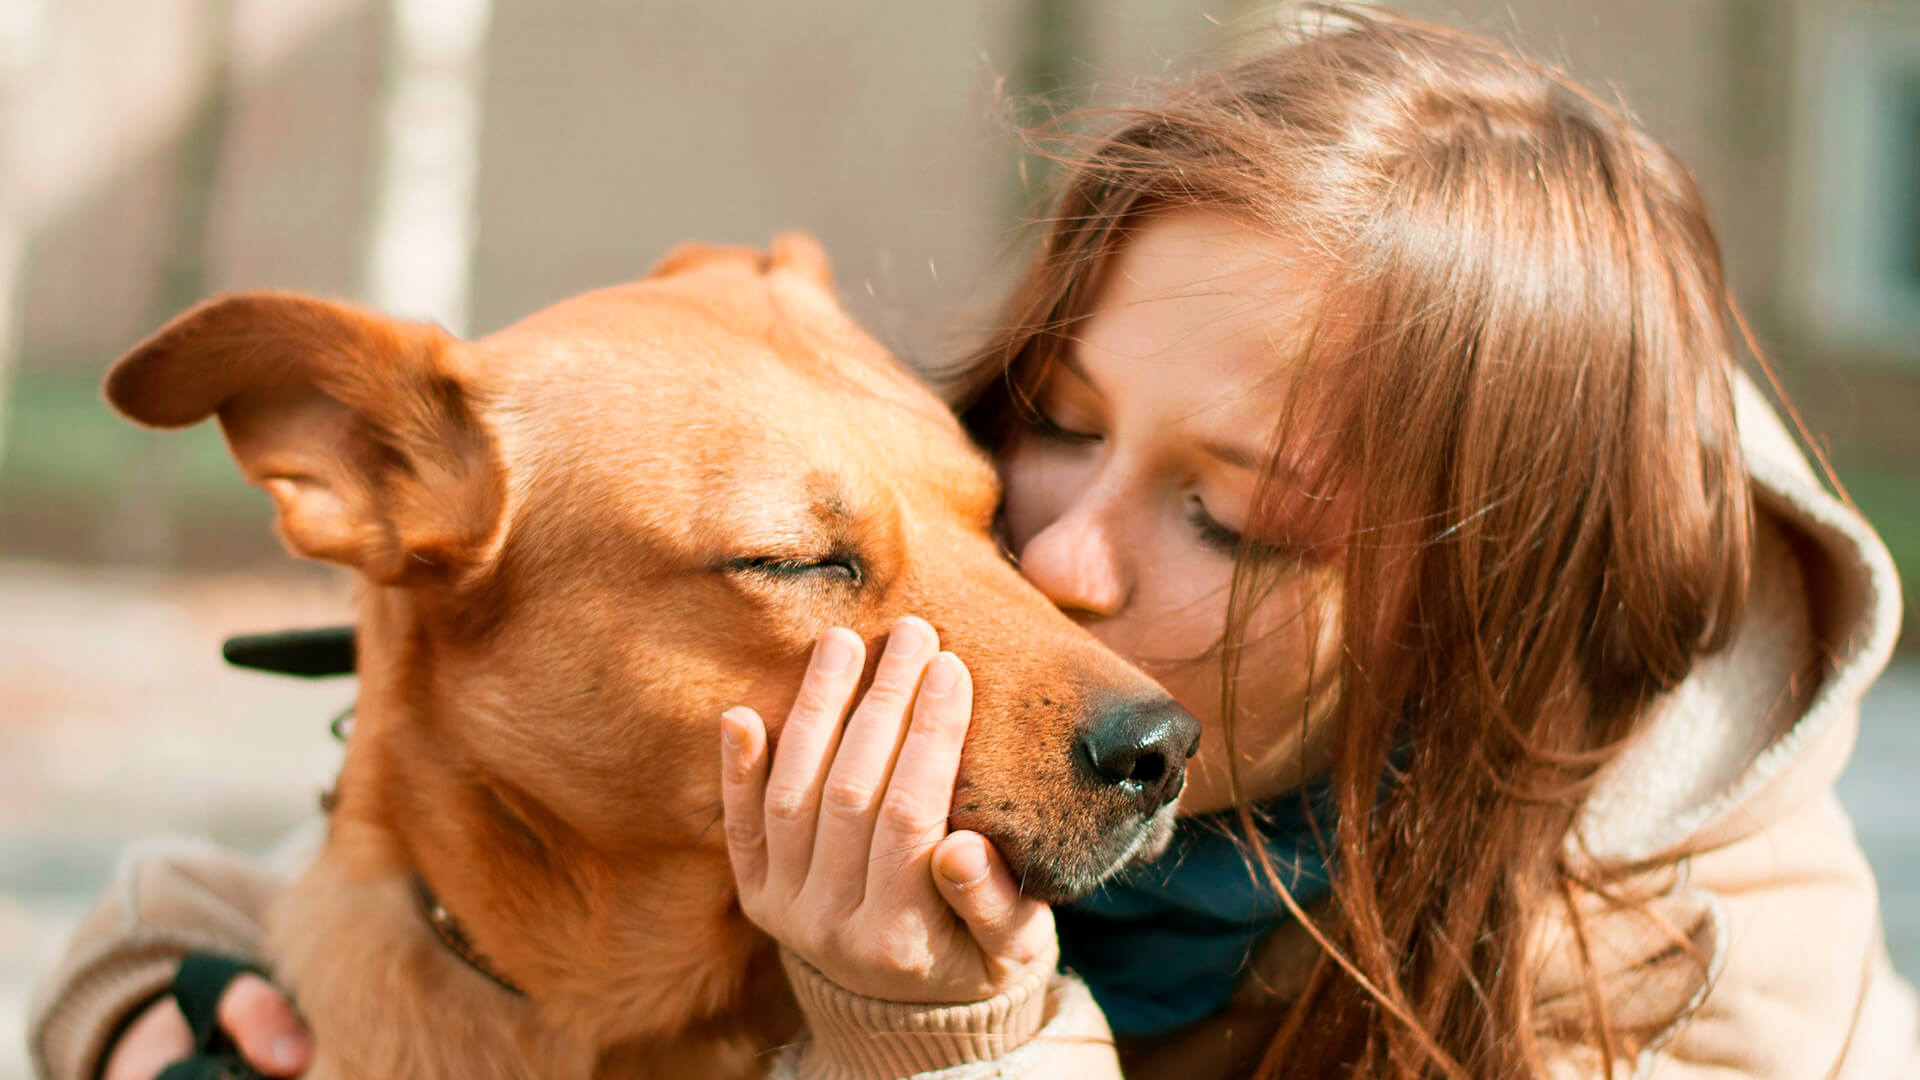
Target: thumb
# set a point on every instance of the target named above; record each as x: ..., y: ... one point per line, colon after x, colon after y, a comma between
x: 262, y: 1022
x: 975, y: 881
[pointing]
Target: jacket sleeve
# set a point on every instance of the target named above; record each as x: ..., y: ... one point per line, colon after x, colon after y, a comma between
x: 168, y: 898
x: 1044, y: 1025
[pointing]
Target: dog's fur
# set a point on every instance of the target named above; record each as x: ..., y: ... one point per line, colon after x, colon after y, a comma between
x: 580, y: 539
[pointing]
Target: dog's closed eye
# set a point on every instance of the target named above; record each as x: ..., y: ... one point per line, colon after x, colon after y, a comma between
x: 842, y: 565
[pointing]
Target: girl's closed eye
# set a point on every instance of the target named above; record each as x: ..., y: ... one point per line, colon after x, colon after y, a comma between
x: 1229, y: 542
x: 1215, y: 536
x: 1041, y: 423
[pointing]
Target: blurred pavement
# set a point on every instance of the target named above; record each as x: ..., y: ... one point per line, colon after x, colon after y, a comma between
x: 120, y: 722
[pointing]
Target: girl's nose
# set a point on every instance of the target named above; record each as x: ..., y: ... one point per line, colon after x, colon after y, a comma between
x: 1076, y: 561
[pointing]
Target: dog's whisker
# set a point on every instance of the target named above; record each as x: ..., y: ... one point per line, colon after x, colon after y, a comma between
x: 566, y: 700
x: 717, y: 818
x: 709, y: 808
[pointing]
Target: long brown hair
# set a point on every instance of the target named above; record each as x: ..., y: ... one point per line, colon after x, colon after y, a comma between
x: 1517, y: 401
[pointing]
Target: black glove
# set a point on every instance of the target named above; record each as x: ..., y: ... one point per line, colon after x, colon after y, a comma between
x: 197, y: 988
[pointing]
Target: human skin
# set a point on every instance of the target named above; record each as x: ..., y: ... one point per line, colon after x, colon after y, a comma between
x: 1127, y: 513
x: 1123, y: 504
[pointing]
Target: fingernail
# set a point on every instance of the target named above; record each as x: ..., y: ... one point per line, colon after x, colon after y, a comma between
x: 288, y: 1050
x: 965, y: 863
x: 907, y: 637
x: 733, y: 729
x: 833, y: 654
x: 942, y: 675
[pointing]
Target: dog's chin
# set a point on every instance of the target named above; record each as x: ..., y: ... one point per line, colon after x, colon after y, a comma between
x: 1152, y: 843
x: 1063, y: 876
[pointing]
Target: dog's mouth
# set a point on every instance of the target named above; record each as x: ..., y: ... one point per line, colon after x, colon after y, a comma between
x: 1058, y: 864
x: 1102, y: 801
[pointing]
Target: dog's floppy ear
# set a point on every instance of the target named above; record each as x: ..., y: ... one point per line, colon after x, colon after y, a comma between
x: 801, y: 253
x: 357, y: 425
x: 793, y: 251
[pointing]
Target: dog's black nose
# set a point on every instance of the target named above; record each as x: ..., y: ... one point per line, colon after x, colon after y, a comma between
x: 1141, y: 749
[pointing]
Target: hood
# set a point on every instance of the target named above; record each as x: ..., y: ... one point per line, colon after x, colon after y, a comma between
x: 1770, y: 719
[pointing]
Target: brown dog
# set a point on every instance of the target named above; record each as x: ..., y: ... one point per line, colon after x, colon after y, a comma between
x: 580, y: 539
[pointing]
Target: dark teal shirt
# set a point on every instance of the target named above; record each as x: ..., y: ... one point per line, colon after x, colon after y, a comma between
x: 1166, y: 943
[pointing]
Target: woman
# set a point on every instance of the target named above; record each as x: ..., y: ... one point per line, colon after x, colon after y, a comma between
x: 1378, y: 395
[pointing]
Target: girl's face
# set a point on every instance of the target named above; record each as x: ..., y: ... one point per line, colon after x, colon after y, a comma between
x: 1126, y: 495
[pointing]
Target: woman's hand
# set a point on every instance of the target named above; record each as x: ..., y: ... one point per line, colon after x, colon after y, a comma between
x: 841, y: 850
x: 256, y: 1016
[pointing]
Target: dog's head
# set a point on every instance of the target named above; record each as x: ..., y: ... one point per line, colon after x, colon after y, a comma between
x: 586, y: 535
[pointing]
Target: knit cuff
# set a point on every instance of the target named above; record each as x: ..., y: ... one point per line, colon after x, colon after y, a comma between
x: 862, y: 1038
x: 70, y: 1035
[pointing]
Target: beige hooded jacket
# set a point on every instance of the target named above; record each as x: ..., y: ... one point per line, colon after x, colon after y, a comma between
x: 1785, y: 974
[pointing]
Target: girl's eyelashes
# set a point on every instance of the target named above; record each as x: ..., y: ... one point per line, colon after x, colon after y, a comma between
x: 1003, y: 538
x: 1215, y: 536
x: 1211, y: 533
x: 1038, y: 422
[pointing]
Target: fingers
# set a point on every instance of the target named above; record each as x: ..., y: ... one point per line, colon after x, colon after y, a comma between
x: 914, y: 814
x: 743, y: 787
x: 158, y: 1038
x: 258, y: 1017
x: 976, y: 883
x: 807, y: 744
x: 850, y: 801
x: 833, y: 831
x: 262, y: 1023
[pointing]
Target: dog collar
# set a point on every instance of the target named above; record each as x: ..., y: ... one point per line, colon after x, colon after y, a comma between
x: 454, y: 937
x: 330, y: 651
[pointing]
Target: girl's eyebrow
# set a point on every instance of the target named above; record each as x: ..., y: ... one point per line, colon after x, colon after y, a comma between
x: 1234, y: 454
x: 1242, y: 456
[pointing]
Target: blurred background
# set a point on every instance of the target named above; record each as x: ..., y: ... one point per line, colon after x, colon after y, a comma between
x: 468, y: 161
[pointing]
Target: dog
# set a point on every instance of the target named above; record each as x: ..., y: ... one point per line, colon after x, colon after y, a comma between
x: 578, y: 540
